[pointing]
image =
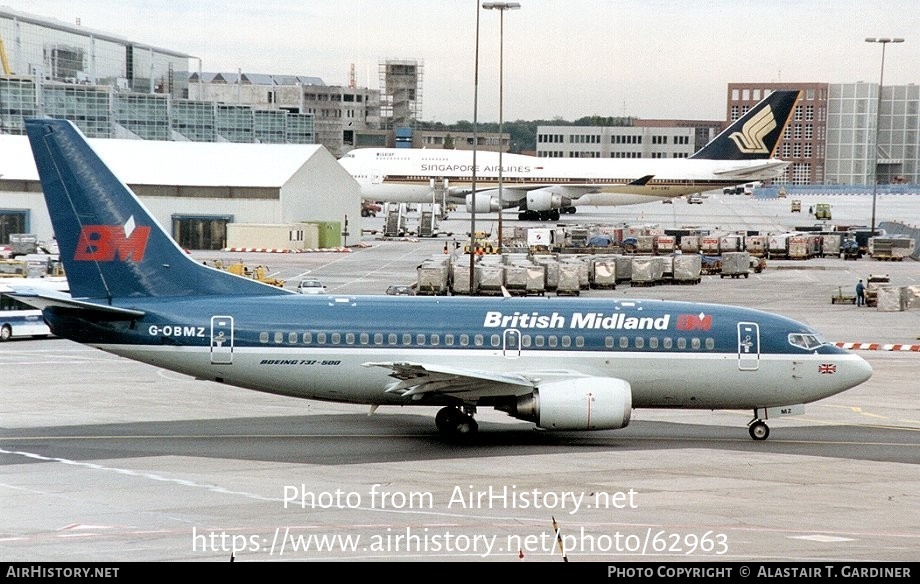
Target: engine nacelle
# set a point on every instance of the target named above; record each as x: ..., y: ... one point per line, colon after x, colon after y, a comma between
x: 590, y: 403
x: 485, y: 203
x: 546, y: 199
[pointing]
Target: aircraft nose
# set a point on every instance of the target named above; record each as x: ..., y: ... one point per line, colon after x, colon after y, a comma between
x: 857, y: 370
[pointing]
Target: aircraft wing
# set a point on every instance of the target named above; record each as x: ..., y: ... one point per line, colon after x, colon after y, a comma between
x: 420, y: 378
x: 43, y: 299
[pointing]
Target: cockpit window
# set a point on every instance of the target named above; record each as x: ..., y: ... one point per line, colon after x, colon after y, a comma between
x: 805, y: 341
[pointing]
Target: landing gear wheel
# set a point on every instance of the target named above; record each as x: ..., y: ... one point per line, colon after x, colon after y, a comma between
x: 466, y: 426
x: 759, y: 430
x: 446, y: 419
x: 453, y: 423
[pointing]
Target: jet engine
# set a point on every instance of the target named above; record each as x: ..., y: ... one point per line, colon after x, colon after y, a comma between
x: 590, y: 403
x: 546, y: 199
x: 486, y: 202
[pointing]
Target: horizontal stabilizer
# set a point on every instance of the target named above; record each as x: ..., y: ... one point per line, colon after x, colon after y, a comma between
x: 758, y: 170
x: 50, y: 299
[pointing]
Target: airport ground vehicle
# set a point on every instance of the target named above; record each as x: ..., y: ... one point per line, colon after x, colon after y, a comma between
x: 822, y: 211
x: 400, y: 290
x: 23, y: 243
x: 370, y: 209
x: 259, y: 273
x: 872, y: 284
x: 795, y: 206
x: 20, y: 320
x: 850, y: 249
x: 311, y: 286
x: 695, y: 198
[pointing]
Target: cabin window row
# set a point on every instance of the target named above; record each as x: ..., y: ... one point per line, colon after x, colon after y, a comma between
x: 493, y: 341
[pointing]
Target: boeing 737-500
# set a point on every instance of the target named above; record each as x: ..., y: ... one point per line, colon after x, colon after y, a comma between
x: 562, y: 364
x: 543, y: 188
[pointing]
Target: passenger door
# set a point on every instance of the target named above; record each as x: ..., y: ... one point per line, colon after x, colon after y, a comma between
x: 221, y: 340
x: 748, y: 346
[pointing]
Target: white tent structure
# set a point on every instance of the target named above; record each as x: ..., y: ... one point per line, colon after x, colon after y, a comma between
x: 187, y: 182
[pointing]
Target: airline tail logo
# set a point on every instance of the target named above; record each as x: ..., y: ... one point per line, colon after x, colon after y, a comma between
x: 106, y: 243
x: 750, y: 140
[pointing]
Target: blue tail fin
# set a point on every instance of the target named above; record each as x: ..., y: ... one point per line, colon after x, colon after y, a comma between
x: 110, y: 245
x: 756, y: 134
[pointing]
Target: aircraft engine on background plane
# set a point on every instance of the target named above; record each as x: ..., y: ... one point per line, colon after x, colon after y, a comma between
x: 486, y: 201
x: 546, y: 199
x: 590, y: 403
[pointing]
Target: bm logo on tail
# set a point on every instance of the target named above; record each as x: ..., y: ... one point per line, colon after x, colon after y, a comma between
x: 105, y: 243
x: 750, y: 140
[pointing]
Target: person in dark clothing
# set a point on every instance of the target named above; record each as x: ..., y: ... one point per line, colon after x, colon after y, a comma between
x: 860, y: 294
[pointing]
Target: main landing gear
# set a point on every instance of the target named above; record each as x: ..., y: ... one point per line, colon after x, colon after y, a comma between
x: 758, y: 429
x: 452, y: 422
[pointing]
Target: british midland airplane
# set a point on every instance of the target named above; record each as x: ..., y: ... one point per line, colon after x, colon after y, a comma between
x: 563, y: 364
x: 543, y: 188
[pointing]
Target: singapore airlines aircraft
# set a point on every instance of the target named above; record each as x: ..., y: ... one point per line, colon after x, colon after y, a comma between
x: 542, y: 188
x: 563, y: 364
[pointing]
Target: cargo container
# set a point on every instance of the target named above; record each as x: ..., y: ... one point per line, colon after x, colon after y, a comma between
x: 515, y: 279
x: 624, y: 268
x: 736, y: 264
x: 730, y: 243
x: 604, y: 273
x: 891, y: 248
x: 690, y: 244
x: 460, y: 278
x: 830, y: 244
x: 709, y: 245
x: 645, y: 244
x: 535, y: 284
x: 687, y: 268
x: 432, y: 278
x: 551, y: 270
x: 778, y: 245
x: 569, y: 280
x: 756, y: 245
x: 665, y: 244
x: 798, y: 248
x: 647, y: 271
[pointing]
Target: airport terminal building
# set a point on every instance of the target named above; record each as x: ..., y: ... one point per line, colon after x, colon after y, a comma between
x: 831, y: 139
x: 199, y: 165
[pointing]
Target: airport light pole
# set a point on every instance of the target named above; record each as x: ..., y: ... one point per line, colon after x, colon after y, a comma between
x: 501, y: 7
x: 878, y: 119
x: 475, y: 144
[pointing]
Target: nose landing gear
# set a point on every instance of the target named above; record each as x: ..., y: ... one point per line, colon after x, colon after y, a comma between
x: 758, y: 429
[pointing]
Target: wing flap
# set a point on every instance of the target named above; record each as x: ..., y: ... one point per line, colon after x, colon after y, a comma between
x: 411, y: 379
